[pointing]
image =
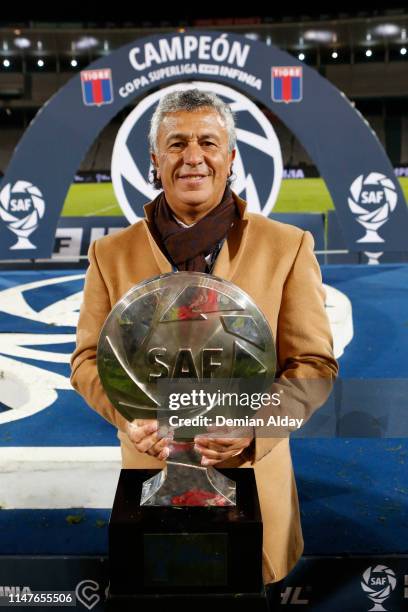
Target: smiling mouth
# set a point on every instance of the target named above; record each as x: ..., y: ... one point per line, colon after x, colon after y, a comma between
x: 193, y: 177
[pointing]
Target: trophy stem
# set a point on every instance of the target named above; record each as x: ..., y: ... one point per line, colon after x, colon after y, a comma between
x: 377, y: 607
x: 23, y: 243
x: 184, y: 482
x: 370, y: 236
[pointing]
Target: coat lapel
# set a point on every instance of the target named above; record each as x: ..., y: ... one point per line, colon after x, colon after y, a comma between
x: 231, y: 252
x: 162, y: 262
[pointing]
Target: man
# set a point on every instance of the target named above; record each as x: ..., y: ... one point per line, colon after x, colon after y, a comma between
x: 198, y: 223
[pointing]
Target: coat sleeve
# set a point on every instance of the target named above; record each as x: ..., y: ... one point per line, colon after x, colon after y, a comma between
x: 95, y: 307
x: 304, y: 345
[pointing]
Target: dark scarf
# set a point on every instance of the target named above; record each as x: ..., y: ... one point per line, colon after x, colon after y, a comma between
x: 187, y: 246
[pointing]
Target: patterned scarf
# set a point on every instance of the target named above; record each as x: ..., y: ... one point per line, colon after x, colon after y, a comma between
x: 187, y: 247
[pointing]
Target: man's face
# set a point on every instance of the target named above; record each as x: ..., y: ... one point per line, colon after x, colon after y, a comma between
x: 193, y: 161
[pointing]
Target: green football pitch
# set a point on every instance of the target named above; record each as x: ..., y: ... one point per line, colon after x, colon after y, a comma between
x: 296, y: 195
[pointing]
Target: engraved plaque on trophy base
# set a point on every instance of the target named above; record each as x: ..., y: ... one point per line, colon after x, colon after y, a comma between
x: 189, y: 556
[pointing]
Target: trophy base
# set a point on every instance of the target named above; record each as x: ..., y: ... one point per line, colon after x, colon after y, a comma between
x: 185, y: 554
x: 226, y: 602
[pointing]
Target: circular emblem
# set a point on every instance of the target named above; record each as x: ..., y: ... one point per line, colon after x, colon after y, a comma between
x: 184, y: 326
x: 258, y: 165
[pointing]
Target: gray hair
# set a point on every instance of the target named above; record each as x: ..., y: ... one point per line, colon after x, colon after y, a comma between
x: 191, y: 100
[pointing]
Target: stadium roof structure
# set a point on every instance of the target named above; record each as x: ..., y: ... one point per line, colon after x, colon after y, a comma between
x: 78, y: 32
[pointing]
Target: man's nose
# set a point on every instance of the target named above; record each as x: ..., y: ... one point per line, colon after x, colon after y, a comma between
x: 193, y: 154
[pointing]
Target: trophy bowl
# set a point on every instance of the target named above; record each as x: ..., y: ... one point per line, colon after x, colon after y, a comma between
x: 178, y: 332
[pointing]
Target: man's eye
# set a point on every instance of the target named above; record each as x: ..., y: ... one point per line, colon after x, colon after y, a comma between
x: 176, y: 145
x: 208, y: 143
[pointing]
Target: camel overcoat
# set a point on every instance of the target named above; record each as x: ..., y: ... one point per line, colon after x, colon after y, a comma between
x: 274, y: 263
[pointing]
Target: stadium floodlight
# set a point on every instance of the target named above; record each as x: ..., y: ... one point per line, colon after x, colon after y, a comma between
x: 387, y: 29
x: 301, y: 56
x: 323, y: 36
x: 403, y: 51
x: 335, y: 55
x: 74, y: 63
x: 368, y: 53
x: 22, y: 43
x: 252, y: 35
x: 6, y: 63
x: 40, y: 63
x: 86, y: 42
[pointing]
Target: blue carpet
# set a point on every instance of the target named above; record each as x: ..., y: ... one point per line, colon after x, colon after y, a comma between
x: 74, y: 531
x: 379, y: 297
x: 353, y: 492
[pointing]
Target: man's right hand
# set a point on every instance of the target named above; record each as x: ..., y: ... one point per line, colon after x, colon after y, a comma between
x: 144, y: 435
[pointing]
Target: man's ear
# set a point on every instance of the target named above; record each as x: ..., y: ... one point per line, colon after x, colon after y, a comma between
x: 232, y: 156
x: 153, y: 157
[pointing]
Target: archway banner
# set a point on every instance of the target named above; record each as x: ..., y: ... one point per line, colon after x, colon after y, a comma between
x: 368, y: 198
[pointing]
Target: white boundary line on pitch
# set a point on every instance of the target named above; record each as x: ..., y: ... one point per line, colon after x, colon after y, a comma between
x: 95, y: 212
x: 75, y: 454
x: 58, y: 477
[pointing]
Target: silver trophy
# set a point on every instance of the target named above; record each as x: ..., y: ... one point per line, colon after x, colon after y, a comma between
x: 178, y: 331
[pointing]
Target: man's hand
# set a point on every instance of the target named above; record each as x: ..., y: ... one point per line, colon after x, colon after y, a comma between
x: 217, y: 449
x: 144, y: 435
